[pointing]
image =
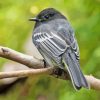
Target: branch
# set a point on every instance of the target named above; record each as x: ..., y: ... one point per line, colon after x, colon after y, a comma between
x: 25, y: 73
x: 32, y: 62
x: 94, y: 83
x: 27, y: 60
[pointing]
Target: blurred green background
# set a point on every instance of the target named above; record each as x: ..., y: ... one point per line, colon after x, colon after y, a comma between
x: 84, y: 16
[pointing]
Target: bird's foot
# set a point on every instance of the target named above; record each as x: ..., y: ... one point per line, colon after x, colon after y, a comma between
x: 58, y: 72
x: 45, y: 64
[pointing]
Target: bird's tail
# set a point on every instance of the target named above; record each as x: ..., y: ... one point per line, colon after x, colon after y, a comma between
x: 72, y: 65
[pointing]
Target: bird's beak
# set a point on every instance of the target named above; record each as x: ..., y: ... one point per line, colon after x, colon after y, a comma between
x: 33, y: 19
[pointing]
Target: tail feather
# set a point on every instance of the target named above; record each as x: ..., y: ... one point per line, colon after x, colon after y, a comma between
x: 72, y: 65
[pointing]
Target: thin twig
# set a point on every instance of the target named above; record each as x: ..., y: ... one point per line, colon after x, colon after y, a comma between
x: 24, y: 73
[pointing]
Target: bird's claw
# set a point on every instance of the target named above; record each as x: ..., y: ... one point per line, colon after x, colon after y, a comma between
x: 45, y: 64
x: 58, y: 72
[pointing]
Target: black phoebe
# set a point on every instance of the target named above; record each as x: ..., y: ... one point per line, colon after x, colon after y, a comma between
x: 55, y: 40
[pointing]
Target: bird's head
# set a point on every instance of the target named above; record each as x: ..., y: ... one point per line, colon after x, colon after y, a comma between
x: 47, y: 15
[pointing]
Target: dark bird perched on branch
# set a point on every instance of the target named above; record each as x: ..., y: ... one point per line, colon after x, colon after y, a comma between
x: 55, y: 40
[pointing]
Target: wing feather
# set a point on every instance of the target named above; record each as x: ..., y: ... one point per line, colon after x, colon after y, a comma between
x: 50, y: 43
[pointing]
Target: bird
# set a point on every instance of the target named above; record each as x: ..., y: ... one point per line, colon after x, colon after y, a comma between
x: 55, y: 39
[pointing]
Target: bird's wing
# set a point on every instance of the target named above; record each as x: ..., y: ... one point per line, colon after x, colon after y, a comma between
x: 50, y: 44
x: 71, y: 58
x: 68, y: 35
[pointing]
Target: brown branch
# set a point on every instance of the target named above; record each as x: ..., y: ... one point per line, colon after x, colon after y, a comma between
x: 27, y: 60
x: 32, y: 62
x: 94, y: 82
x: 25, y: 73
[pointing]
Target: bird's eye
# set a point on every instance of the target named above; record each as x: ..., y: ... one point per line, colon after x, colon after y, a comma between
x: 47, y: 17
